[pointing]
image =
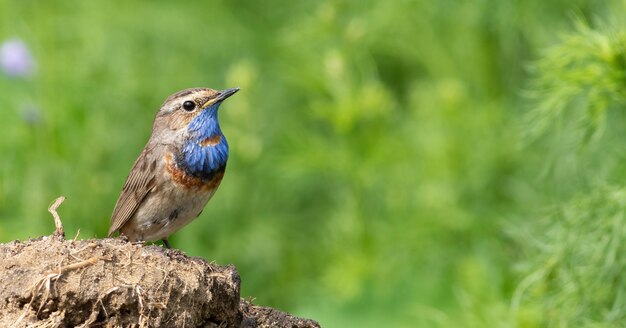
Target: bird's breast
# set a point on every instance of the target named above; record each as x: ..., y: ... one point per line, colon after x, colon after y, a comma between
x: 180, y: 176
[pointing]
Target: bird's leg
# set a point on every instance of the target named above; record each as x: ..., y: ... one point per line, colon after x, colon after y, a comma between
x: 167, y: 243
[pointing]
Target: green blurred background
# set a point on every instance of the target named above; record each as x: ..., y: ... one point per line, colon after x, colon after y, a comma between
x: 409, y: 163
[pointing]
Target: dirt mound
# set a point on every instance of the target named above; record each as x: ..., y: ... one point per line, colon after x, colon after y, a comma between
x: 52, y: 282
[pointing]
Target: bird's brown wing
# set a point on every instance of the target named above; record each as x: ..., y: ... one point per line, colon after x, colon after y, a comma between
x: 140, y: 182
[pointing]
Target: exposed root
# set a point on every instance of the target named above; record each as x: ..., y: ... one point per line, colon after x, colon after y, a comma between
x: 54, y: 275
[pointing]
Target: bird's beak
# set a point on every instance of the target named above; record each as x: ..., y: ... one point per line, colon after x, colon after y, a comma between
x: 221, y: 96
x: 227, y: 93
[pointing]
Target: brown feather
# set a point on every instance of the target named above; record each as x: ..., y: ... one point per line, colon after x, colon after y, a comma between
x: 140, y: 182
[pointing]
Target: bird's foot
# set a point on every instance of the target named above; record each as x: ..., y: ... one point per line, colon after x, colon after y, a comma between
x: 166, y: 243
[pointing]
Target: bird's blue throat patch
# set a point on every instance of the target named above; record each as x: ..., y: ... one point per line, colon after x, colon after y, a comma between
x: 197, y: 158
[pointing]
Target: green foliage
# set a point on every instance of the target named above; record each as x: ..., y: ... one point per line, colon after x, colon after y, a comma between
x: 393, y: 163
x: 576, y: 262
x: 581, y: 77
x: 573, y: 255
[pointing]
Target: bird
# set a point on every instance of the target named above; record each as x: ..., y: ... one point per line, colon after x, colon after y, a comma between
x: 178, y: 170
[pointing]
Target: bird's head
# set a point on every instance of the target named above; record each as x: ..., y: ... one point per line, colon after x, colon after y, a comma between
x: 190, y: 113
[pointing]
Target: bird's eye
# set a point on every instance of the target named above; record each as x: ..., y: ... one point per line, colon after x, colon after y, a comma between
x: 189, y: 105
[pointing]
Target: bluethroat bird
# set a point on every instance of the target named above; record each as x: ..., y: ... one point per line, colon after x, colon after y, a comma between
x: 178, y: 170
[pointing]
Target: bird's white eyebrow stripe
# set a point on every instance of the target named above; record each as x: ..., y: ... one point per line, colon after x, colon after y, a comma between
x: 182, y: 93
x: 188, y: 92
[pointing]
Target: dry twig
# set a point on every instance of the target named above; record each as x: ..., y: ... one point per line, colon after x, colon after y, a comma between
x: 57, y: 220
